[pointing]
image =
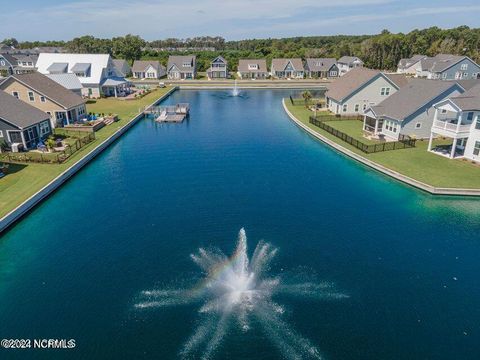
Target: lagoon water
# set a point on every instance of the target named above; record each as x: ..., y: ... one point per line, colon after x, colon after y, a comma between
x: 79, y: 265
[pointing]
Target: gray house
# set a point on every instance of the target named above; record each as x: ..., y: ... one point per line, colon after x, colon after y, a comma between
x: 182, y: 67
x: 7, y: 64
x: 409, y: 111
x: 287, y: 68
x: 122, y: 67
x: 321, y: 68
x: 347, y: 63
x: 148, y: 69
x: 449, y: 67
x: 21, y: 123
x: 218, y: 68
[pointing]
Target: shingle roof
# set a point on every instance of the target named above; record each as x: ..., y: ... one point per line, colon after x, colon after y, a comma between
x: 320, y: 64
x: 142, y: 65
x: 281, y: 64
x: 13, y: 61
x: 121, y: 66
x: 412, y: 97
x: 244, y: 63
x: 47, y: 87
x: 440, y: 62
x: 348, y: 59
x: 398, y: 79
x: 178, y: 61
x: 19, y: 113
x: 406, y: 63
x: 350, y: 82
x: 469, y: 100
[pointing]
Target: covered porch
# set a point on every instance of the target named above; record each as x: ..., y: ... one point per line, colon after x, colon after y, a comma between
x: 116, y: 87
x: 372, y: 128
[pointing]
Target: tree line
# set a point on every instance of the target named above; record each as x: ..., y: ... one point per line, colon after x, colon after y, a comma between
x: 381, y: 51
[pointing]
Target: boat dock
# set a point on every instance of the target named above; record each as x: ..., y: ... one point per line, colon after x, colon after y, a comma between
x: 169, y: 113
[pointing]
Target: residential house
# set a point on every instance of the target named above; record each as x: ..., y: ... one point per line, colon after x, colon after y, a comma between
x: 410, y: 111
x: 359, y: 89
x: 7, y: 64
x: 148, y: 69
x: 252, y: 69
x: 218, y: 68
x: 182, y: 67
x: 410, y: 66
x: 25, y: 63
x: 287, y: 68
x: 96, y: 72
x: 347, y: 63
x: 62, y: 105
x: 21, y: 123
x: 321, y: 68
x: 68, y: 81
x: 5, y: 48
x: 449, y: 67
x: 122, y: 67
x: 458, y: 118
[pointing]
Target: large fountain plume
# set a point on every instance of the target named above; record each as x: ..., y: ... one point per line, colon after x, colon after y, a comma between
x: 236, y: 291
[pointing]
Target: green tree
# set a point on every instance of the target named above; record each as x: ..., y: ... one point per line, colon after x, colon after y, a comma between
x: 307, y: 96
x: 130, y: 47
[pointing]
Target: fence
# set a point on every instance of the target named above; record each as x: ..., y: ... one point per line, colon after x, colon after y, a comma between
x: 328, y: 117
x: 57, y: 157
x: 404, y: 143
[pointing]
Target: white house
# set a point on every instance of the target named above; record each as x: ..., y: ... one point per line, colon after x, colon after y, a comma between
x: 458, y: 118
x: 360, y: 89
x: 410, y: 111
x: 148, y: 69
x: 96, y: 72
x: 347, y: 63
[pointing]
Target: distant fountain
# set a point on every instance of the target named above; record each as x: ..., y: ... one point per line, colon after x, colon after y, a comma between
x: 235, y: 91
x: 235, y: 291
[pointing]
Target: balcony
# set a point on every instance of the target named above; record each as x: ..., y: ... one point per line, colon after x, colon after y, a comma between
x: 450, y: 127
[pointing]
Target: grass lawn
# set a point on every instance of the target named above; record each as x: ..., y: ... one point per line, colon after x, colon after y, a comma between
x: 24, y: 180
x: 416, y: 162
x: 354, y: 128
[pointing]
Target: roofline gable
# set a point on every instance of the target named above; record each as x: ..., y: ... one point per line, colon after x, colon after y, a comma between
x: 361, y: 87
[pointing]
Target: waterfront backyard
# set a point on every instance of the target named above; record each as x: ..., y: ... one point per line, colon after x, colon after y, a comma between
x: 366, y: 267
x: 416, y: 163
x: 24, y: 180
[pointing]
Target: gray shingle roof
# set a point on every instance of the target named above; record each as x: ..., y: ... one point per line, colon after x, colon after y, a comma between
x: 281, y: 64
x: 469, y: 100
x: 320, y: 64
x: 19, y: 113
x: 178, y: 61
x: 10, y: 59
x: 47, y: 87
x: 244, y: 63
x: 142, y: 65
x: 398, y: 79
x: 350, y: 82
x: 348, y: 59
x: 406, y: 63
x: 440, y: 62
x: 411, y: 98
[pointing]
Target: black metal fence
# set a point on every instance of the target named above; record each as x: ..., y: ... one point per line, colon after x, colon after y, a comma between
x: 404, y: 142
x: 55, y: 157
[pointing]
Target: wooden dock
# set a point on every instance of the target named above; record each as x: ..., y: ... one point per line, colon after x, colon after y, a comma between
x: 171, y: 113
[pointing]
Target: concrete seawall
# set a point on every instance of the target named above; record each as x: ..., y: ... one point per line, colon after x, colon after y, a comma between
x: 17, y: 213
x: 371, y: 164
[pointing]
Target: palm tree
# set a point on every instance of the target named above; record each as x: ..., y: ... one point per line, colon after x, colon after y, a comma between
x: 307, y: 96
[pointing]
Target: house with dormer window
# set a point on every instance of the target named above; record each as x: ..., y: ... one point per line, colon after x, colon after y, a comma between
x: 287, y: 68
x: 321, y: 68
x: 182, y: 67
x: 7, y: 63
x: 252, y: 69
x: 148, y: 69
x: 449, y: 67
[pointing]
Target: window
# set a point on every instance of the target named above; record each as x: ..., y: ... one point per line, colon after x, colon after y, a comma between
x: 385, y: 91
x: 444, y: 75
x: 357, y: 107
x: 444, y: 111
x: 44, y: 128
x: 470, y: 116
x: 252, y: 66
x: 31, y: 97
x: 477, y: 123
x: 476, y: 149
x: 345, y: 107
x: 2, y: 62
x: 418, y: 125
x: 464, y: 67
x: 333, y: 73
x: 1, y: 133
x: 42, y: 99
x: 187, y: 64
x: 364, y: 106
x: 15, y: 93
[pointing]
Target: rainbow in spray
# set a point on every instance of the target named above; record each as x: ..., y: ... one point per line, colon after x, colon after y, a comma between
x: 238, y: 291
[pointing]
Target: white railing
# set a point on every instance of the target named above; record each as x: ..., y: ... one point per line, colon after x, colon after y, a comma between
x: 445, y: 125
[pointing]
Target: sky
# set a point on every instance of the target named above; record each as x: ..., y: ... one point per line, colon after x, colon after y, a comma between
x: 231, y: 19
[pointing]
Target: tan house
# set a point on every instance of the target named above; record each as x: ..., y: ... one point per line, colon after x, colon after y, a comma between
x: 62, y: 105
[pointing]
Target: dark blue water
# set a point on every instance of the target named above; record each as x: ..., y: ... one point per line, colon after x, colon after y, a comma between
x: 128, y: 222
